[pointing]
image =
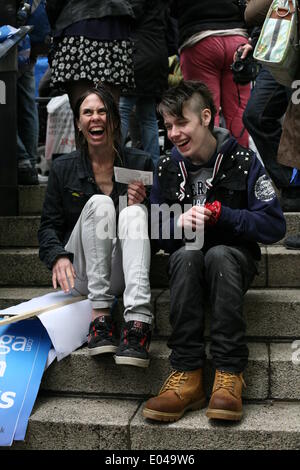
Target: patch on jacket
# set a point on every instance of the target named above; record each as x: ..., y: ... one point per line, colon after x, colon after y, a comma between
x: 263, y: 189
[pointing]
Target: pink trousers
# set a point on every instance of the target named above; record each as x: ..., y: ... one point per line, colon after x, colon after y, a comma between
x: 209, y: 61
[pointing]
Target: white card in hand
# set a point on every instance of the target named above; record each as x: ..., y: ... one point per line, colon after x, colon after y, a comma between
x: 127, y: 176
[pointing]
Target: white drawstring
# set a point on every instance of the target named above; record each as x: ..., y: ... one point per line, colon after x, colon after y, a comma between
x: 182, y: 184
x: 208, y: 182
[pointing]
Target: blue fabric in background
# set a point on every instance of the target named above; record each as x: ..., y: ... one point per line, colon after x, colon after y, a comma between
x: 39, y: 20
x: 24, y: 348
x: 295, y: 179
x: 24, y: 48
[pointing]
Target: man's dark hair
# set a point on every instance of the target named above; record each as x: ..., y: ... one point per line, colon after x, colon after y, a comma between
x: 112, y: 112
x: 175, y: 97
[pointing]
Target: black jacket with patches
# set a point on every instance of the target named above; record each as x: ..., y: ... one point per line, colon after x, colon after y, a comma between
x: 71, y: 184
x: 250, y: 211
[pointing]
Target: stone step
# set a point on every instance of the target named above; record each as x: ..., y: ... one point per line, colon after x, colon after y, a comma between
x: 285, y: 370
x: 266, y: 426
x: 71, y: 423
x: 272, y: 314
x: 270, y: 373
x: 60, y: 423
x: 279, y: 267
x: 21, y: 231
x: 21, y: 266
x: 10, y: 296
x: 31, y: 199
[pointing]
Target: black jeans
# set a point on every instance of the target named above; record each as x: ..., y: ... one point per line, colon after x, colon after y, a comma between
x: 223, y: 274
x: 266, y: 106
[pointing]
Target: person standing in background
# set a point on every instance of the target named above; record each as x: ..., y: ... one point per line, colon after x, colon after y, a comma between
x: 29, y: 13
x: 264, y: 112
x: 210, y: 32
x: 92, y: 45
x: 150, y: 72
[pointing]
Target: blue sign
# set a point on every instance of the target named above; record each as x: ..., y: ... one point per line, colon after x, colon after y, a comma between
x: 24, y: 348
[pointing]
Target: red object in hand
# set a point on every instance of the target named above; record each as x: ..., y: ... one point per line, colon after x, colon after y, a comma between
x: 215, y: 208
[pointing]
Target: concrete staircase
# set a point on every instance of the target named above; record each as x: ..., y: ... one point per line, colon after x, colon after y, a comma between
x: 90, y: 403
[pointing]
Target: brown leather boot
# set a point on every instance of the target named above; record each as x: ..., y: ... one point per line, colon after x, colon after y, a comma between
x: 181, y: 391
x: 226, y: 398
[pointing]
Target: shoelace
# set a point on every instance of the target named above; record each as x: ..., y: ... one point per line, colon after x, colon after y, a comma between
x: 136, y: 337
x: 227, y: 380
x: 174, y: 381
x: 103, y: 330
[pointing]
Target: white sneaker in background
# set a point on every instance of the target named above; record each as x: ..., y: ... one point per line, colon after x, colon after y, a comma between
x: 42, y: 179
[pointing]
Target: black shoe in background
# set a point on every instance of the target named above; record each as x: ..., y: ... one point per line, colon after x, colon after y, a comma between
x: 134, y: 345
x: 292, y: 242
x: 27, y: 176
x: 101, y: 338
x: 290, y: 199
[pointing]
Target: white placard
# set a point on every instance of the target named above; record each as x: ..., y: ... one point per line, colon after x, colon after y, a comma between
x: 67, y: 325
x: 127, y: 176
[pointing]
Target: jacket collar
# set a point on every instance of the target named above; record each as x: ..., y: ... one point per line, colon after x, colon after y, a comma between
x: 85, y: 170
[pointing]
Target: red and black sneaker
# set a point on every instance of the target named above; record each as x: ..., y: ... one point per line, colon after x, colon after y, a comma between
x: 101, y: 338
x: 134, y: 345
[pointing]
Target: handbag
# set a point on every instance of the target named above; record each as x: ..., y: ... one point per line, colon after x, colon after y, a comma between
x: 277, y: 48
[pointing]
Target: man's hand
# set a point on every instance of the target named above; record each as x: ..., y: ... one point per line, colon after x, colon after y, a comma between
x: 245, y: 48
x: 64, y: 274
x: 194, y: 218
x: 136, y: 193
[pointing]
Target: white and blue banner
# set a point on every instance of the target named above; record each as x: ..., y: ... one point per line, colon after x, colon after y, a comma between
x: 24, y: 348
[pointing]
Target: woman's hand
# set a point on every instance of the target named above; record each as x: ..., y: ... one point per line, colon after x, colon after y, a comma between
x: 136, y: 193
x: 64, y: 274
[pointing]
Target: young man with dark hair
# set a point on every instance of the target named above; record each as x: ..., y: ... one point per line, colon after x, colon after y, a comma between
x: 224, y: 195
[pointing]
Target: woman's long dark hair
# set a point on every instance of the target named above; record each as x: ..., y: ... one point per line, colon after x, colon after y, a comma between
x: 112, y: 116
